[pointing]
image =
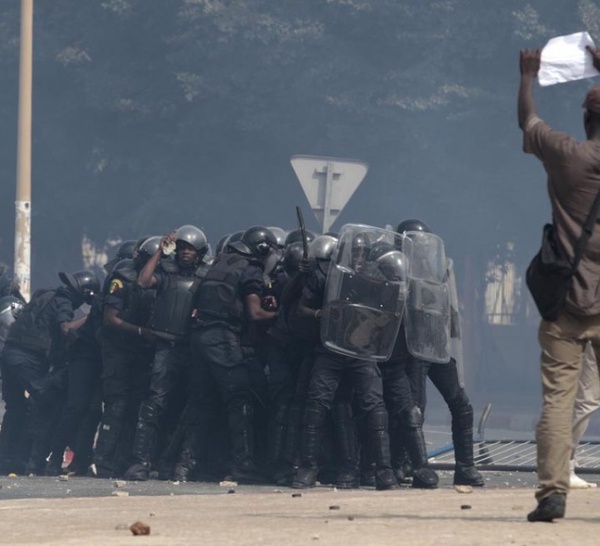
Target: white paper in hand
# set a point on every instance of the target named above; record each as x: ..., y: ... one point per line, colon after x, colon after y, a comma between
x: 565, y: 59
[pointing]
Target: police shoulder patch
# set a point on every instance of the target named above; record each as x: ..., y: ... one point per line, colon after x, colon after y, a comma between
x: 115, y: 286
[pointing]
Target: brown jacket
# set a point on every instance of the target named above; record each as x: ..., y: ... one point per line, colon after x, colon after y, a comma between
x: 573, y: 170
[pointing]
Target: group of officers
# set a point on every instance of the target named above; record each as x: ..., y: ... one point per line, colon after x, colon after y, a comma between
x: 286, y: 358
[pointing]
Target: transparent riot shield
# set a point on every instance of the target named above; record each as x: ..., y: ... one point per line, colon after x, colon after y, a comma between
x: 428, y: 315
x: 365, y: 292
x: 456, y: 345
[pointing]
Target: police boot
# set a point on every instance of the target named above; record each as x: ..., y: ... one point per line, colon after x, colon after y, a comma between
x: 242, y: 441
x: 185, y: 466
x: 377, y: 430
x: 11, y: 439
x: 367, y: 463
x: 84, y: 450
x: 400, y: 459
x: 291, y: 450
x: 109, y: 437
x: 143, y: 443
x: 465, y: 472
x: 54, y: 464
x: 424, y: 477
x: 347, y: 448
x: 281, y: 469
x: 306, y: 475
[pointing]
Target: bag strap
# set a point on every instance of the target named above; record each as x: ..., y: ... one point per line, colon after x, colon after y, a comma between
x: 587, y: 231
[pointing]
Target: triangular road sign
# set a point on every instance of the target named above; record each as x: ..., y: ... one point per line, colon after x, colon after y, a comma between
x: 328, y: 183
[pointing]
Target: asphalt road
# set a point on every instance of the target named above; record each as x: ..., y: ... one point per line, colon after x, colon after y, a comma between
x: 24, y: 487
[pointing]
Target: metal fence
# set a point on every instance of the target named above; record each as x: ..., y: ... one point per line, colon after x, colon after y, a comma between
x: 511, y: 455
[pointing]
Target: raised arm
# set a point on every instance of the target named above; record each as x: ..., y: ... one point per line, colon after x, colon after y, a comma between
x: 529, y: 63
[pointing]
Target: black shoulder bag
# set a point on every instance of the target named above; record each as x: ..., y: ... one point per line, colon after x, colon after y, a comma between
x: 549, y: 275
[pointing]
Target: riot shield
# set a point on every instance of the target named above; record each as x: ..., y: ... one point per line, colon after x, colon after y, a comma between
x: 427, y: 316
x: 456, y: 347
x: 365, y: 293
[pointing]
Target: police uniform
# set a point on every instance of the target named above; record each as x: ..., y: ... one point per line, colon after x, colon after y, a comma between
x: 83, y: 408
x: 327, y: 373
x: 446, y: 381
x: 286, y: 353
x: 219, y: 364
x: 406, y: 418
x: 125, y: 374
x: 170, y: 323
x: 31, y: 357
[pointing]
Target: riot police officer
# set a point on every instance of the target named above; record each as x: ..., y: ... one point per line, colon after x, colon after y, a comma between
x: 341, y: 356
x: 302, y: 336
x: 230, y: 296
x: 32, y: 360
x: 175, y: 282
x: 127, y: 350
x: 10, y: 307
x: 427, y: 352
x: 83, y: 405
x: 125, y: 251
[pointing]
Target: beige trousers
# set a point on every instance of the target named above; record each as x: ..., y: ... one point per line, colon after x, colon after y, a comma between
x: 562, y: 343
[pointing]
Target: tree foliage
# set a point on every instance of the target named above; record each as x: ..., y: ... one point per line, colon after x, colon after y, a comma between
x: 148, y: 115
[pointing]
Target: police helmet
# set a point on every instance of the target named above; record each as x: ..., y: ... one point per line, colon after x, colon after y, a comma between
x: 295, y: 236
x: 235, y: 237
x: 412, y: 225
x: 124, y: 264
x: 221, y: 243
x: 322, y: 247
x: 193, y: 236
x: 10, y: 307
x: 393, y: 265
x: 148, y: 248
x: 125, y: 250
x: 257, y: 241
x: 139, y: 243
x: 280, y: 235
x: 291, y: 257
x: 379, y: 249
x: 85, y: 283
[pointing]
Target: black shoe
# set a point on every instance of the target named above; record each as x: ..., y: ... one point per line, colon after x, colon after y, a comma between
x: 425, y: 478
x: 137, y: 472
x: 347, y: 479
x: 385, y: 480
x: 305, y: 478
x: 549, y: 508
x: 468, y: 475
x: 367, y: 477
x: 284, y: 474
x: 183, y: 473
x: 247, y: 473
x: 53, y: 468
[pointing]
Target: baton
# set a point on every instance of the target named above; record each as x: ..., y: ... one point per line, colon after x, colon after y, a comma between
x: 303, y: 231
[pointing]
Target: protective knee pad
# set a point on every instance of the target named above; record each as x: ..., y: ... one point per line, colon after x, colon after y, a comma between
x: 149, y: 413
x: 412, y: 417
x: 377, y: 420
x: 314, y: 416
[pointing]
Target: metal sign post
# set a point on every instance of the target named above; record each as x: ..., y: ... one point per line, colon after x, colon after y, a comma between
x: 328, y: 184
x: 23, y: 200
